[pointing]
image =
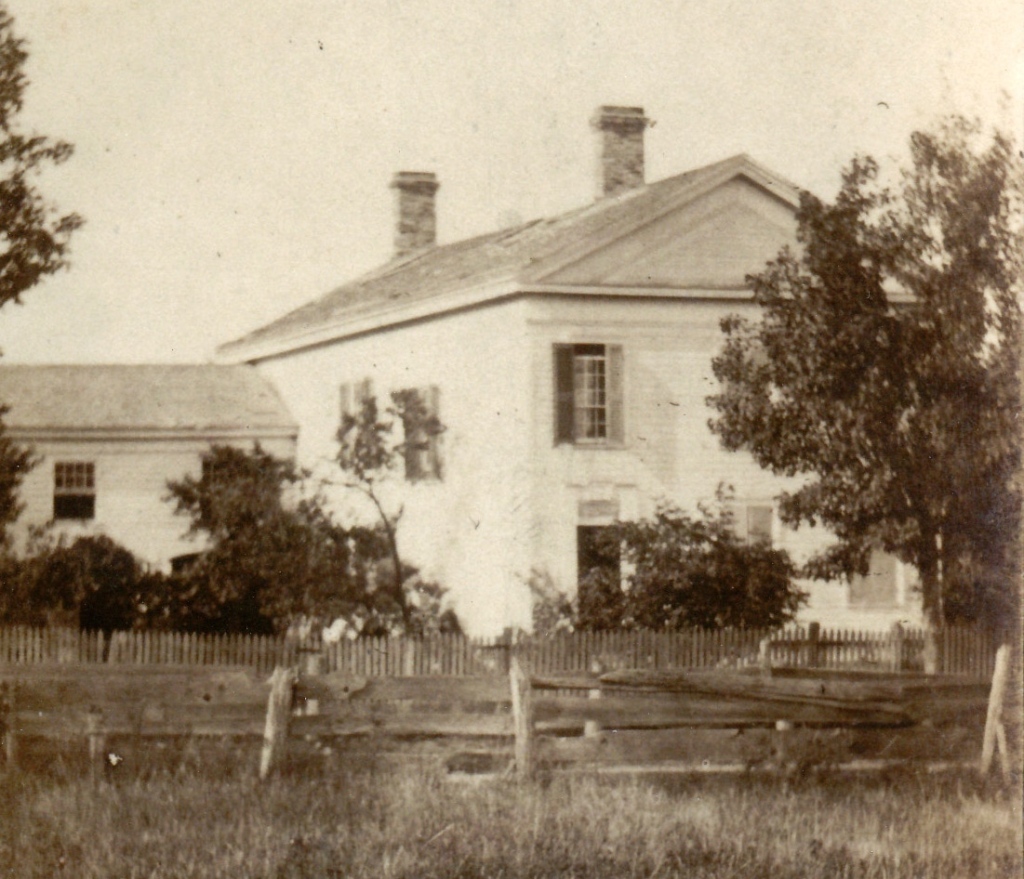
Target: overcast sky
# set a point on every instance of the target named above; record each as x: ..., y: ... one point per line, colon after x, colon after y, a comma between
x: 232, y: 157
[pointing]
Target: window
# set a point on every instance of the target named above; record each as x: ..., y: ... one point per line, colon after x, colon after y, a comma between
x: 759, y: 523
x: 752, y: 522
x: 74, y: 490
x: 352, y: 395
x: 588, y: 394
x: 879, y: 588
x: 423, y: 430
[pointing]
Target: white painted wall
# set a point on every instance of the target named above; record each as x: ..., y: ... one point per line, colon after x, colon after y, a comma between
x: 669, y: 452
x: 509, y: 500
x: 467, y: 530
x: 131, y: 484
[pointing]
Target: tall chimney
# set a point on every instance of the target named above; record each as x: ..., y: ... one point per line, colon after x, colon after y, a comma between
x: 620, y: 142
x: 415, y: 219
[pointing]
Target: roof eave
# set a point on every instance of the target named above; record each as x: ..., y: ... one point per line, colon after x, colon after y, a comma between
x: 146, y: 434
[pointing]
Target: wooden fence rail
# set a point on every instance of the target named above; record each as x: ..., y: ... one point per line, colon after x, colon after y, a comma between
x: 966, y: 651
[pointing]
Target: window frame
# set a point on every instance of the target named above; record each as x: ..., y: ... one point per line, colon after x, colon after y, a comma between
x: 589, y: 380
x: 74, y: 481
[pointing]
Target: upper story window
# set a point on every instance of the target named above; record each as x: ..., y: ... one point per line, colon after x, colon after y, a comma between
x: 588, y: 394
x: 752, y: 522
x: 423, y: 438
x: 351, y: 397
x: 74, y: 490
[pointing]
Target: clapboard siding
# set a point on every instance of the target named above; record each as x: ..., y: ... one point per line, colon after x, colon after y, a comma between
x: 131, y: 489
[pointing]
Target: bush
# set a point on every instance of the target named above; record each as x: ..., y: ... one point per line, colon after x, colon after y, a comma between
x: 677, y: 572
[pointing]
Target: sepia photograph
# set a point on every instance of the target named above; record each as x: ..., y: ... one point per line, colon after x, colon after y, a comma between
x: 511, y: 439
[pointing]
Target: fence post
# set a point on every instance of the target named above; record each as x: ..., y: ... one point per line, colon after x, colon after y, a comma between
x: 932, y: 659
x: 898, y: 647
x: 7, y: 731
x: 97, y: 743
x: 813, y: 644
x: 783, y: 730
x: 995, y: 734
x: 279, y: 709
x: 522, y: 714
x: 764, y: 656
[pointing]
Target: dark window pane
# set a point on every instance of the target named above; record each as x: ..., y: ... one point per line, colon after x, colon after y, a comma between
x: 595, y: 551
x: 74, y: 506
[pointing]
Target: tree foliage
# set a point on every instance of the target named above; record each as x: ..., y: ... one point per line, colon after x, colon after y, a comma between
x: 34, y: 236
x: 272, y: 555
x: 91, y: 582
x: 679, y: 572
x: 883, y: 369
x: 15, y: 462
x: 372, y: 447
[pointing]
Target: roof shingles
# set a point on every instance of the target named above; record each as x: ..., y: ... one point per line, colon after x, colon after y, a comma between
x: 523, y: 254
x: 185, y: 398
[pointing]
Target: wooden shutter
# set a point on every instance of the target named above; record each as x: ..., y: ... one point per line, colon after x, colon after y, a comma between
x: 433, y: 400
x: 364, y: 390
x: 564, y: 401
x: 616, y: 401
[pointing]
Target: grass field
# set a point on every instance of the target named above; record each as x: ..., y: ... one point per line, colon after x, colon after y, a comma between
x: 378, y: 822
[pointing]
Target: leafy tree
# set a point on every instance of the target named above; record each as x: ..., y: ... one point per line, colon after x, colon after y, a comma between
x: 92, y: 582
x: 682, y: 572
x: 883, y: 370
x: 34, y: 238
x: 369, y: 453
x: 273, y: 555
x: 15, y: 462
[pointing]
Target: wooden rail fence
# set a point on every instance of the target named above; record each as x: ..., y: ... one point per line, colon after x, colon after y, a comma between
x: 967, y: 651
x: 628, y: 718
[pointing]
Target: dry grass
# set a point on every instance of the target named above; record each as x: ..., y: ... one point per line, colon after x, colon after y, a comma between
x: 415, y: 823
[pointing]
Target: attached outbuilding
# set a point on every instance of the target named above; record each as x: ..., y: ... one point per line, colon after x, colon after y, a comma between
x: 107, y: 438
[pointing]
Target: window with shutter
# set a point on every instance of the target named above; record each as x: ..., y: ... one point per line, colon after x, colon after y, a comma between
x: 423, y: 437
x: 351, y: 396
x: 588, y: 394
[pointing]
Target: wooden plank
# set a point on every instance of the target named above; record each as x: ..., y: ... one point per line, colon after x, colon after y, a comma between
x: 449, y: 690
x: 409, y: 725
x: 568, y: 716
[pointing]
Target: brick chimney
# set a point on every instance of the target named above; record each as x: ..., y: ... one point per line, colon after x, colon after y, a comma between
x: 415, y: 219
x: 620, y: 142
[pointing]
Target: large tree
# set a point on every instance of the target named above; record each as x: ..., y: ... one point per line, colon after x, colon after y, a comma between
x: 883, y: 370
x: 34, y: 236
x: 272, y: 556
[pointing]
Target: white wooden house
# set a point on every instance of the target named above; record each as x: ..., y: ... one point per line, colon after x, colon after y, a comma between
x: 569, y: 359
x: 106, y: 440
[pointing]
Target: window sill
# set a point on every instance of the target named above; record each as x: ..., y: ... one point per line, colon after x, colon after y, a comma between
x: 593, y: 446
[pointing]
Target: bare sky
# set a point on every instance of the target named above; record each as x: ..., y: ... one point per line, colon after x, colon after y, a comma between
x: 233, y: 156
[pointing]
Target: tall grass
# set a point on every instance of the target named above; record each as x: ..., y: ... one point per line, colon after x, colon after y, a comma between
x: 417, y: 823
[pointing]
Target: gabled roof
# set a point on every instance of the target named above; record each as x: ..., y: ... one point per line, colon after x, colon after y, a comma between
x: 164, y: 399
x: 517, y: 258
